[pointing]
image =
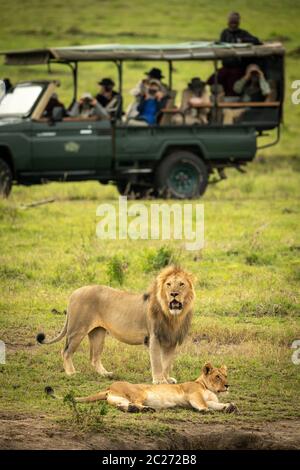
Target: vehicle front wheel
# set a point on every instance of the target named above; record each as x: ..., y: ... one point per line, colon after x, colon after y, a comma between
x: 181, y: 175
x: 6, y: 179
x: 134, y: 190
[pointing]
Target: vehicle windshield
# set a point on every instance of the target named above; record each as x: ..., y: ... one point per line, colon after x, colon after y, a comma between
x: 20, y: 100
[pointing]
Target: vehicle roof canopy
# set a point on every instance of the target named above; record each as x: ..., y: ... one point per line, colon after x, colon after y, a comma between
x: 181, y: 51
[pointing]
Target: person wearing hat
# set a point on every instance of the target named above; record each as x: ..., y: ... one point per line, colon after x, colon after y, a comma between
x: 253, y: 86
x: 88, y: 107
x: 156, y: 74
x: 152, y: 74
x: 150, y: 105
x: 234, y: 34
x: 141, y: 89
x: 109, y: 98
x: 194, y: 99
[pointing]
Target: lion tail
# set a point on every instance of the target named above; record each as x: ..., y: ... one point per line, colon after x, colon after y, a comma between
x: 50, y: 393
x: 41, y: 337
x: 98, y: 396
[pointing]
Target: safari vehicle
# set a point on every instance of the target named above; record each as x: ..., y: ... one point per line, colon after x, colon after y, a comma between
x: 159, y: 160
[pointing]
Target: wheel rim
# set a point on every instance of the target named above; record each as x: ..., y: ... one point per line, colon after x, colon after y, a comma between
x: 184, y: 179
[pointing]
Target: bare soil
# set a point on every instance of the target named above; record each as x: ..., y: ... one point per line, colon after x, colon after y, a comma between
x: 22, y: 431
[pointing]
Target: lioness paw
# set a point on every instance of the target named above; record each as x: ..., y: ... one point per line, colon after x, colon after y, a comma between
x: 133, y: 408
x: 160, y: 381
x: 71, y: 372
x: 204, y: 410
x: 231, y: 408
x: 171, y: 380
x: 107, y: 374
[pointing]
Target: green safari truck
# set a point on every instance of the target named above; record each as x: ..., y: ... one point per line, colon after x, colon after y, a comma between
x: 171, y: 158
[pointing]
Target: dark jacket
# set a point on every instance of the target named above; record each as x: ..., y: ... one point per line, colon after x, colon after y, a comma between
x: 112, y: 106
x: 239, y: 35
x: 227, y: 76
x: 54, y: 103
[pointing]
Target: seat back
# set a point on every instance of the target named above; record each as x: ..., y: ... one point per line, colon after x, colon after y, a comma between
x: 166, y: 118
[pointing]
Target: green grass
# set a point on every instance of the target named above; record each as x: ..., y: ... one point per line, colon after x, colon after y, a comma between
x: 247, y: 308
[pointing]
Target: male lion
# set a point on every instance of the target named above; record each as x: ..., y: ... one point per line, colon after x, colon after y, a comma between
x: 160, y: 319
x: 200, y: 395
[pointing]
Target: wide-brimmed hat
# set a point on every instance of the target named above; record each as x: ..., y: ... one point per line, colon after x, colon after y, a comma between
x: 106, y: 82
x: 196, y: 83
x: 155, y: 73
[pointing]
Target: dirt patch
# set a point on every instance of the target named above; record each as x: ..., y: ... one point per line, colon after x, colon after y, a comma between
x: 21, y: 431
x: 273, y: 435
x: 38, y: 432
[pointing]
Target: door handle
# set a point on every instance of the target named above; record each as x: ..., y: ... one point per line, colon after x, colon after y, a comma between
x: 86, y: 131
x: 46, y: 134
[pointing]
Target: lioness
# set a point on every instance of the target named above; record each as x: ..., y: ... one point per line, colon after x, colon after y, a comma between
x: 200, y: 395
x: 160, y: 319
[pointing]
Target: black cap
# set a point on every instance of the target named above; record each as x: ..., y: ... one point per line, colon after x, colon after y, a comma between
x: 106, y: 82
x: 155, y: 73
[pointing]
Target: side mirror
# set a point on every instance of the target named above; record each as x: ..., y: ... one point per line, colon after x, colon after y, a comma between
x: 57, y: 114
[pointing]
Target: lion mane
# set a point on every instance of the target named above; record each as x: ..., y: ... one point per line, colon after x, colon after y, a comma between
x: 169, y: 329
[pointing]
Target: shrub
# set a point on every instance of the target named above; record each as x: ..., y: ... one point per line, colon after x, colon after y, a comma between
x: 86, y: 417
x: 158, y: 259
x: 116, y: 270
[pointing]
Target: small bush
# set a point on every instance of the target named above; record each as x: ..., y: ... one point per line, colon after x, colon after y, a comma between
x: 259, y: 259
x: 158, y: 259
x: 86, y: 416
x: 116, y: 270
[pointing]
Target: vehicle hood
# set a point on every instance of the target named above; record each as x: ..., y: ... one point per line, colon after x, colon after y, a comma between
x: 9, y: 121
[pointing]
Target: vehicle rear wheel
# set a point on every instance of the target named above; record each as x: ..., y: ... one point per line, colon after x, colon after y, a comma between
x: 181, y: 175
x: 6, y: 179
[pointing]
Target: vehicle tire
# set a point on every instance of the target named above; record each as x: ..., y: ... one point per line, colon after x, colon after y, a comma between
x: 6, y: 179
x: 181, y: 175
x: 134, y: 190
